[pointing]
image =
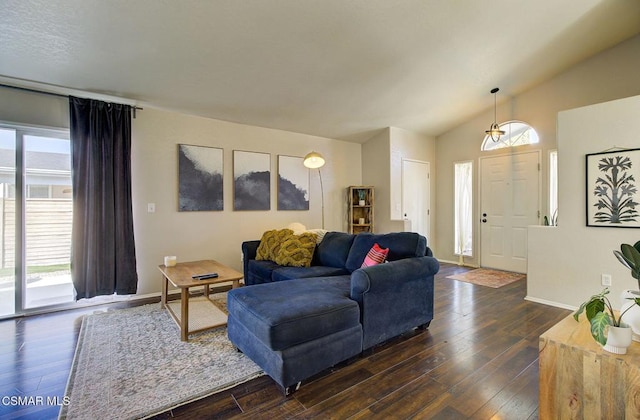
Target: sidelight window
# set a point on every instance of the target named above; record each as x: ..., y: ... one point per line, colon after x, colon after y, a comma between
x: 463, y: 241
x: 553, y: 187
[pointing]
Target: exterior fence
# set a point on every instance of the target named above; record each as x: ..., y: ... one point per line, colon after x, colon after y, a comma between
x: 47, y: 235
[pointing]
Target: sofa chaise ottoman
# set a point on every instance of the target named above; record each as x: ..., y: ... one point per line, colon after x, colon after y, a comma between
x: 295, y: 329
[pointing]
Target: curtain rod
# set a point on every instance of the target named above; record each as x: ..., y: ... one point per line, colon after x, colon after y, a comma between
x: 60, y: 95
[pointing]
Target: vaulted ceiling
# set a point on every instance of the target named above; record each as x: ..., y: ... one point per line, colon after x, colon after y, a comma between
x: 342, y: 69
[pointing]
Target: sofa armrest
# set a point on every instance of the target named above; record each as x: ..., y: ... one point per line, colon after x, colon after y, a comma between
x: 394, y: 297
x: 249, y: 251
x: 389, y: 277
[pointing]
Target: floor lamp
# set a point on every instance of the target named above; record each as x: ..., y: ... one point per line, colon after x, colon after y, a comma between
x: 314, y: 160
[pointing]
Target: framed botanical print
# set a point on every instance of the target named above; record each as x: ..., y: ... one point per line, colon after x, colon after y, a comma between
x: 612, y: 189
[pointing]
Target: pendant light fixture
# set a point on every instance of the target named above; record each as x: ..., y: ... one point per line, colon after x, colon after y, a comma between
x: 494, y: 131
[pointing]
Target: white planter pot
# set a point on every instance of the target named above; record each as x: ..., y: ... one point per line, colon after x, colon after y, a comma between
x: 361, y: 203
x: 618, y: 339
x: 632, y: 316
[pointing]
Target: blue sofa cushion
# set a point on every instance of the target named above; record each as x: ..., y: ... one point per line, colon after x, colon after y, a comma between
x: 285, y: 314
x: 291, y: 273
x: 260, y: 272
x: 333, y: 250
x: 401, y: 245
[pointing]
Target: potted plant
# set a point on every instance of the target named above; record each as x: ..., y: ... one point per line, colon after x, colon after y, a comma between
x: 607, y: 329
x: 629, y: 256
x: 361, y: 196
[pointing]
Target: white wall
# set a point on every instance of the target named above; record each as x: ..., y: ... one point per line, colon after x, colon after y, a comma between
x: 566, y: 262
x: 408, y: 145
x: 382, y: 157
x: 197, y: 235
x: 610, y: 75
x: 376, y: 172
x: 218, y: 235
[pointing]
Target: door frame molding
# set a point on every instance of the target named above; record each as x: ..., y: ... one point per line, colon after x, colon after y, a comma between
x: 477, y: 223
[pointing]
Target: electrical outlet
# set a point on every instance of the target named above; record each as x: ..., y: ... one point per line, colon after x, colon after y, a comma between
x: 606, y: 279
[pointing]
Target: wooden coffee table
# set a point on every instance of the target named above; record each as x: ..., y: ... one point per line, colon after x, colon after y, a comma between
x: 180, y: 276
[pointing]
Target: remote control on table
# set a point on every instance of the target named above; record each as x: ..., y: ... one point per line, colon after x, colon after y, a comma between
x: 204, y: 276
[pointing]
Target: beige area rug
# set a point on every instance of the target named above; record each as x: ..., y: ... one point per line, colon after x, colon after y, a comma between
x: 488, y: 277
x: 201, y: 313
x: 131, y: 364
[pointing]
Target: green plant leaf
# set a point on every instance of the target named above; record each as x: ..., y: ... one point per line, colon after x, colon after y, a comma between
x: 599, y: 324
x: 623, y: 260
x: 631, y: 255
x: 635, y: 272
x: 594, y: 306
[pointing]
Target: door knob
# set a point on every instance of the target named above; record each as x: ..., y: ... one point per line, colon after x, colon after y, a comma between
x: 484, y: 220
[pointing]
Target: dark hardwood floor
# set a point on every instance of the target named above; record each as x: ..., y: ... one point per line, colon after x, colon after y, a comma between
x: 478, y: 359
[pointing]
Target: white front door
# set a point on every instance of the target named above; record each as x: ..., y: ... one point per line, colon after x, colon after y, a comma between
x: 416, y: 195
x: 510, y: 195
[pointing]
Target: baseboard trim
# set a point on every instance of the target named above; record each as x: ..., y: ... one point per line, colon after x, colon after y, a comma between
x: 456, y: 263
x: 114, y: 299
x: 550, y: 303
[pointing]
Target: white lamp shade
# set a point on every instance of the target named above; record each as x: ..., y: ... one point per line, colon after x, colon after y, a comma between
x: 313, y: 160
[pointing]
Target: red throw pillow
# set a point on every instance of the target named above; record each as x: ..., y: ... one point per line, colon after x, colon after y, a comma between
x: 376, y: 255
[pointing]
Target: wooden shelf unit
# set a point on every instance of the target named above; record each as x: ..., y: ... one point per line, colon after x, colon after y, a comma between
x: 358, y: 210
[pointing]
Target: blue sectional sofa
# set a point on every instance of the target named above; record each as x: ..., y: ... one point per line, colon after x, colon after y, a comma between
x: 295, y: 322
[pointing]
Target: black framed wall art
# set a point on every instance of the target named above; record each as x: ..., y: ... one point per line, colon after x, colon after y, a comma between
x: 200, y: 178
x: 612, y: 188
x: 251, y: 180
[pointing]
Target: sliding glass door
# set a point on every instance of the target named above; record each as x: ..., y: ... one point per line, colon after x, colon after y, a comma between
x: 47, y: 220
x: 7, y: 221
x: 36, y: 219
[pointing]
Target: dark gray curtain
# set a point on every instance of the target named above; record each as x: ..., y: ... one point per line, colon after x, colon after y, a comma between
x: 103, y: 259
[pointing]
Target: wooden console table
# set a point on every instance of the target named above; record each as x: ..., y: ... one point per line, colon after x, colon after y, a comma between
x: 579, y: 380
x: 180, y: 276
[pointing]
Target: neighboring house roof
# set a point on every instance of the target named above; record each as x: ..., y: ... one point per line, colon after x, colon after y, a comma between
x: 37, y: 160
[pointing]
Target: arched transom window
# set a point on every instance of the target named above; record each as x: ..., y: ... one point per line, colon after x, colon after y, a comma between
x: 517, y: 133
